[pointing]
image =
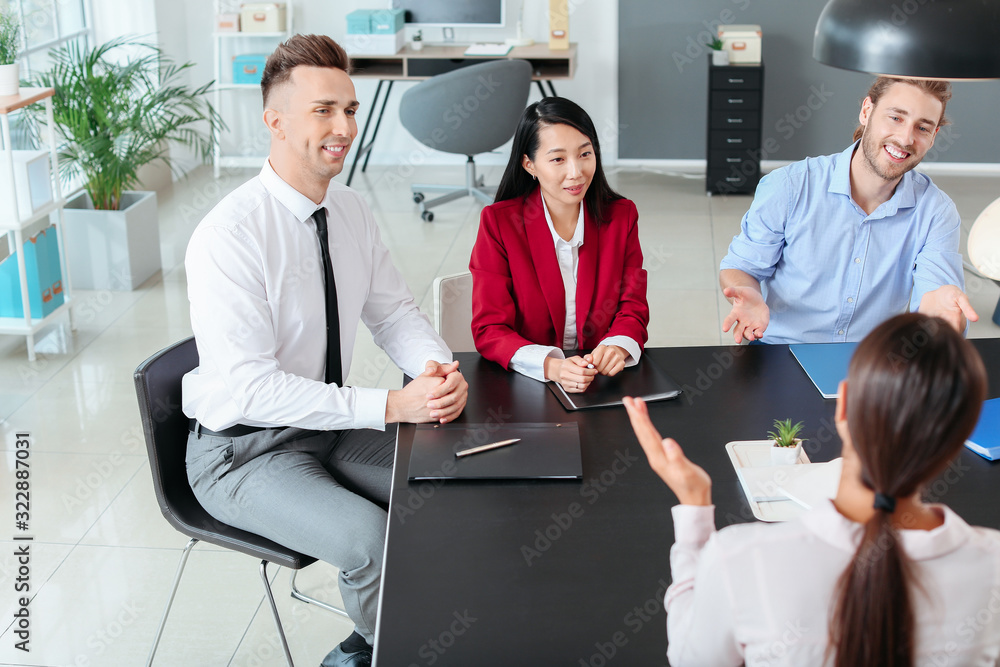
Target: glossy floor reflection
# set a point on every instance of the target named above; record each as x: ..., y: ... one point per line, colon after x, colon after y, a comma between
x: 103, y: 557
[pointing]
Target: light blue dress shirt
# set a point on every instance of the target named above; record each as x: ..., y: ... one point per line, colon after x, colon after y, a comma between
x: 828, y: 271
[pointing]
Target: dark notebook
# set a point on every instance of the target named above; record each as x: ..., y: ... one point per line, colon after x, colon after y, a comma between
x: 546, y: 451
x: 645, y: 380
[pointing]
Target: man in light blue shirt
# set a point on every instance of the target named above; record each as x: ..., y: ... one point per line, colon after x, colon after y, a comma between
x: 834, y: 245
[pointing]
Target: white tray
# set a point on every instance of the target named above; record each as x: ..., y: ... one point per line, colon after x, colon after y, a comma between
x: 780, y: 493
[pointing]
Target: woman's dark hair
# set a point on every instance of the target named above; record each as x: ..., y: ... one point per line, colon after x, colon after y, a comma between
x: 517, y: 182
x: 915, y: 389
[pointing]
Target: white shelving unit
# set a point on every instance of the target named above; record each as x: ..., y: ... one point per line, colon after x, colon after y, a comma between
x: 225, y: 47
x: 13, y: 225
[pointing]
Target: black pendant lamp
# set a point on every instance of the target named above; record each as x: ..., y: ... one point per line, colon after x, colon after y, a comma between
x: 945, y: 39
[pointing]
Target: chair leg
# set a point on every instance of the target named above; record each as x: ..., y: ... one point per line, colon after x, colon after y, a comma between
x: 274, y: 612
x: 170, y: 600
x: 302, y: 597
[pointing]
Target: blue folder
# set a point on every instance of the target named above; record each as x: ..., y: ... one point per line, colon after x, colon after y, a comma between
x: 985, y: 439
x: 825, y: 363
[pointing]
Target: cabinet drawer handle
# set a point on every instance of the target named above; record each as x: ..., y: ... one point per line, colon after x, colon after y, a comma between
x: 734, y: 120
x: 733, y: 140
x: 733, y: 179
x: 735, y: 100
x: 736, y: 81
x: 732, y: 160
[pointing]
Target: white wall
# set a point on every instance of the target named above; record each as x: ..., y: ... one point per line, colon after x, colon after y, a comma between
x: 188, y: 25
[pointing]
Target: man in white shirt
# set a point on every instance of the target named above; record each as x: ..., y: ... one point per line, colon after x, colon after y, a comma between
x: 279, y: 446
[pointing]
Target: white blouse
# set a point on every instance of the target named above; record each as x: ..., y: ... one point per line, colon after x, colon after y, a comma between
x: 530, y: 359
x: 762, y: 593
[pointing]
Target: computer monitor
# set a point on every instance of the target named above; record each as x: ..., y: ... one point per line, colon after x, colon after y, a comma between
x: 453, y: 13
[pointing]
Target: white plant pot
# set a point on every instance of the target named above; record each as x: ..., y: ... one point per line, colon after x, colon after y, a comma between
x: 720, y: 58
x: 112, y: 250
x: 10, y: 80
x: 783, y: 456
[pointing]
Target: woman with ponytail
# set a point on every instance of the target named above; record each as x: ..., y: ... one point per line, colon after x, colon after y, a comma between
x: 876, y: 576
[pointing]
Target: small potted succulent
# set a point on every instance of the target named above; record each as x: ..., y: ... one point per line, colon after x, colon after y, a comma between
x: 719, y: 55
x: 417, y: 41
x: 10, y: 42
x: 785, y: 446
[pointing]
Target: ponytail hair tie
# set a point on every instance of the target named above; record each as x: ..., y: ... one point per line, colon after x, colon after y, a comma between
x: 885, y: 503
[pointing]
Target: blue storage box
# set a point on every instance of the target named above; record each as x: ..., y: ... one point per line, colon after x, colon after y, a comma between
x: 44, y: 273
x: 248, y: 68
x: 359, y: 22
x: 387, y: 21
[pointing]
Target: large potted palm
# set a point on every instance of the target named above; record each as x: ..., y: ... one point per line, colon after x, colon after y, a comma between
x: 117, y: 108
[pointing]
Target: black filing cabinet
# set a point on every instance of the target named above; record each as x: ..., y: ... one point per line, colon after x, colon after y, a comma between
x: 735, y: 100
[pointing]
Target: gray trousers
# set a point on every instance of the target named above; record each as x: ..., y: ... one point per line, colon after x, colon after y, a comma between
x: 317, y: 492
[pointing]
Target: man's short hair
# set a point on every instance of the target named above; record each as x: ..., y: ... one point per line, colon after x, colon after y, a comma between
x: 307, y: 50
x: 937, y: 88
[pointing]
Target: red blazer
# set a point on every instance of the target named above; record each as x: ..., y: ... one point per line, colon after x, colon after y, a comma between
x: 517, y: 291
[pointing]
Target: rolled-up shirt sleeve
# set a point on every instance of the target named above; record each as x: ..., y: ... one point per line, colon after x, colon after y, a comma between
x: 757, y: 248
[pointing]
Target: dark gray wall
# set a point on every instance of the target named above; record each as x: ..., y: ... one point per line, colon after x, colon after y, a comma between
x: 809, y: 108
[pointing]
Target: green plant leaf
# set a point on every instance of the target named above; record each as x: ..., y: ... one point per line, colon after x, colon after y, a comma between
x: 117, y: 107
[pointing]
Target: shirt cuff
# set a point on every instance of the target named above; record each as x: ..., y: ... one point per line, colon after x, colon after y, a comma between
x: 626, y: 344
x: 369, y: 407
x: 530, y: 360
x: 693, y: 524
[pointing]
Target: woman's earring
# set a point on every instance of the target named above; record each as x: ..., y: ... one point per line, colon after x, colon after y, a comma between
x: 533, y: 177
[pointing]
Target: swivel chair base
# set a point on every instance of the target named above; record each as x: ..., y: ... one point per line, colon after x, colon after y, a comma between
x: 474, y: 187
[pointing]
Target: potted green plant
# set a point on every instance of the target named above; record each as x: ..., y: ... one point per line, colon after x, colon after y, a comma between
x: 719, y: 55
x: 10, y: 41
x: 117, y: 108
x: 785, y: 446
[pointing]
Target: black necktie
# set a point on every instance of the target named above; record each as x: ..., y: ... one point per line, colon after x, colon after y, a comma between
x: 334, y: 371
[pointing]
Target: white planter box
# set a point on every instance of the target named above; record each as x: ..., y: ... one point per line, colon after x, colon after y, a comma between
x: 112, y: 250
x: 786, y: 456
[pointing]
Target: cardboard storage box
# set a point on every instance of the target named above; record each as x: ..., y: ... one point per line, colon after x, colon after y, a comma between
x: 263, y: 17
x: 372, y: 45
x: 44, y: 273
x: 228, y: 22
x: 387, y: 21
x: 375, y: 21
x: 32, y: 182
x: 742, y: 42
x: 248, y: 68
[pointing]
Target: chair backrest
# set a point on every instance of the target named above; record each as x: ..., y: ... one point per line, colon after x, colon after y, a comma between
x: 984, y: 241
x: 453, y: 311
x: 470, y: 110
x: 166, y: 428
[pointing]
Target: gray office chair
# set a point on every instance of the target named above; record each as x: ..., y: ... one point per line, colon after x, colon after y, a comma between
x: 469, y: 111
x: 984, y: 247
x: 453, y: 311
x: 165, y: 427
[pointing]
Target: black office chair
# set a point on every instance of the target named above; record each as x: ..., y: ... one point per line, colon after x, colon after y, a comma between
x: 158, y: 385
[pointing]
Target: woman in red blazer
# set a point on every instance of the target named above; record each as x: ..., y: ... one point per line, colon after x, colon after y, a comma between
x: 557, y: 229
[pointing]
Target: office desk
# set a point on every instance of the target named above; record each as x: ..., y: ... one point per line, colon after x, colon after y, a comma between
x: 571, y: 573
x: 409, y: 65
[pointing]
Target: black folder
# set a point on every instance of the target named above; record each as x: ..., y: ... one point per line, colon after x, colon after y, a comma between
x: 546, y: 451
x: 645, y: 380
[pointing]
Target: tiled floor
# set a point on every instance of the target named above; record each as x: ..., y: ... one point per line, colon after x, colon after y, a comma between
x: 103, y: 557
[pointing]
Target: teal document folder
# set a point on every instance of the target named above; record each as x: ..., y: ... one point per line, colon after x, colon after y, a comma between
x: 985, y: 439
x: 825, y: 363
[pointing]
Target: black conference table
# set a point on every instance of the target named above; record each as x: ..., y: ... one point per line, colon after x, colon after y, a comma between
x: 559, y: 572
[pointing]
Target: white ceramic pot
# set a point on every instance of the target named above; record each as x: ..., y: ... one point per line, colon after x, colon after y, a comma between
x: 10, y: 80
x: 720, y: 58
x: 786, y: 456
